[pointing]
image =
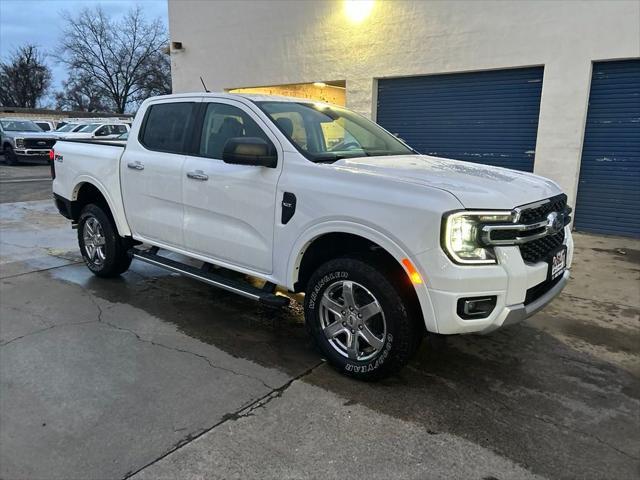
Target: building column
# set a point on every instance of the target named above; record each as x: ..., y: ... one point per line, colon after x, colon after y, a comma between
x: 361, y: 96
x: 563, y: 113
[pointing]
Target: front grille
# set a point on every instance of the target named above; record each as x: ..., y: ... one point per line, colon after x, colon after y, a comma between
x: 539, y: 214
x: 39, y: 142
x: 536, y: 292
x: 539, y: 250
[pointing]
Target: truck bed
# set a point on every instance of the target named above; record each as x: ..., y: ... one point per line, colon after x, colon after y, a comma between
x: 77, y: 162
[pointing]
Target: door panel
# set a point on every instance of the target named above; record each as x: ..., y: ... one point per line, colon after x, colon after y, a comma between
x: 229, y: 210
x: 151, y: 174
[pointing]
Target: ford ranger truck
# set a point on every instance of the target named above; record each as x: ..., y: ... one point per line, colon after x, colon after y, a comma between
x: 385, y: 243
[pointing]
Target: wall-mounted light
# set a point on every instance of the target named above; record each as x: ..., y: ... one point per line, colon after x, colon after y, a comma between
x: 358, y: 10
x: 319, y: 84
x: 176, y: 46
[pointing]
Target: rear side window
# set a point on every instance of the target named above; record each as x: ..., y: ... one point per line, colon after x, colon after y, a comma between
x: 44, y: 126
x: 118, y: 129
x: 166, y: 127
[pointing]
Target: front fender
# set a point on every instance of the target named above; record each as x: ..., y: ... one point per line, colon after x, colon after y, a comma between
x: 392, y: 247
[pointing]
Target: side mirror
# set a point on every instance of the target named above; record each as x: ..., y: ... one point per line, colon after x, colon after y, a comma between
x: 250, y: 151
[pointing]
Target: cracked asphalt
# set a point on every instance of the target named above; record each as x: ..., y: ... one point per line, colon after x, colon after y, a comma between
x: 157, y: 376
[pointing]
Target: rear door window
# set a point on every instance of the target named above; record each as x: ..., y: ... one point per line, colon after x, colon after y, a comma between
x: 166, y: 127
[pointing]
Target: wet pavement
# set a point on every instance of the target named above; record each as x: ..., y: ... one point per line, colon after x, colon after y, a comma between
x: 153, y: 375
x: 30, y: 180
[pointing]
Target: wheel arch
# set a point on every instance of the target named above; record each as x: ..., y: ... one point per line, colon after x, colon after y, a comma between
x: 88, y: 191
x: 324, y: 242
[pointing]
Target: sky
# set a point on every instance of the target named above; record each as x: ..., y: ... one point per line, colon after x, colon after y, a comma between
x: 41, y: 22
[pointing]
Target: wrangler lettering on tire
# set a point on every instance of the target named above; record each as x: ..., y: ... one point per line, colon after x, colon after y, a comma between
x: 359, y: 320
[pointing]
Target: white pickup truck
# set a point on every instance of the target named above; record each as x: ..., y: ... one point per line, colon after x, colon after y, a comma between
x: 386, y: 244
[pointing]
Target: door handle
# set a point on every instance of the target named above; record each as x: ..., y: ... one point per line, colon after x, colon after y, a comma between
x: 198, y: 175
x: 135, y: 165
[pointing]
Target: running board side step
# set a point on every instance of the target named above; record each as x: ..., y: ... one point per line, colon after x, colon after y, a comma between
x: 265, y: 296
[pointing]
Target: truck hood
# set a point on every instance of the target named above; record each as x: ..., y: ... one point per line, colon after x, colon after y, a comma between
x: 474, y: 185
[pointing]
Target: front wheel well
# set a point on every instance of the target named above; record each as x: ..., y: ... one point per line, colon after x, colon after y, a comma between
x: 334, y: 245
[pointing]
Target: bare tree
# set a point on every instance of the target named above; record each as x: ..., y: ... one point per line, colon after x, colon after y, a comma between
x: 118, y: 55
x: 24, y: 78
x: 80, y: 93
x: 156, y: 78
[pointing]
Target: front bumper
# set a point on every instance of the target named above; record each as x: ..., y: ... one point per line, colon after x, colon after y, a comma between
x: 32, y: 153
x: 517, y: 313
x: 509, y: 281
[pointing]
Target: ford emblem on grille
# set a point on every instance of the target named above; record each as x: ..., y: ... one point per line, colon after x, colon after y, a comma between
x: 555, y: 222
x: 42, y: 143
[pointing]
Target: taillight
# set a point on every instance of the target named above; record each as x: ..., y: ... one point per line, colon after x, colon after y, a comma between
x: 52, y: 156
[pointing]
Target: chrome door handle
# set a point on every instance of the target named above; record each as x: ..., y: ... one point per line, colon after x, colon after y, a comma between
x: 198, y: 175
x: 135, y: 165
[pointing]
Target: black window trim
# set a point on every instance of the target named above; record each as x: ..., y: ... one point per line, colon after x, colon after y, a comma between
x: 186, y: 141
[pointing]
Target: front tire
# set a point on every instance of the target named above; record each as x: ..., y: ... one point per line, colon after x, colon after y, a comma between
x: 9, y: 155
x: 360, y: 320
x: 105, y: 253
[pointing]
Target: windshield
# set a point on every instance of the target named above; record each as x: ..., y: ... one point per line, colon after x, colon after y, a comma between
x: 67, y: 127
x: 77, y: 128
x: 89, y: 127
x: 20, y: 126
x: 324, y: 133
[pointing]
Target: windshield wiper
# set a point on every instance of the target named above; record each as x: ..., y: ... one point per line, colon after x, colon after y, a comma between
x: 327, y: 158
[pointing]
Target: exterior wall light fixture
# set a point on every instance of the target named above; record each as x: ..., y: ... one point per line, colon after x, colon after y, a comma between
x: 358, y: 10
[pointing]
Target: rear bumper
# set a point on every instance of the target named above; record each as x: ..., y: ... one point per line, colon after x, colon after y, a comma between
x: 63, y: 205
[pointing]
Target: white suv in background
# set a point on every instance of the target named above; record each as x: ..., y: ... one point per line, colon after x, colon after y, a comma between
x: 68, y: 128
x: 98, y: 130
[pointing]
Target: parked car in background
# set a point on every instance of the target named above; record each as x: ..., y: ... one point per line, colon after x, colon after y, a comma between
x: 386, y: 243
x: 23, y: 139
x: 67, y: 128
x: 45, y: 125
x: 98, y: 130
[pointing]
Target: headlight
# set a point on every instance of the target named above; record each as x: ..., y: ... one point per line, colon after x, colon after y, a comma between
x: 19, y: 142
x: 461, y: 235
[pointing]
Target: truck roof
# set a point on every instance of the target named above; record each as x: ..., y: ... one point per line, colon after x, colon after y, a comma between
x: 248, y: 96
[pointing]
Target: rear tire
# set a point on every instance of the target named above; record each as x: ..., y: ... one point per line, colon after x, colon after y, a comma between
x: 360, y: 320
x: 105, y: 253
x: 9, y: 155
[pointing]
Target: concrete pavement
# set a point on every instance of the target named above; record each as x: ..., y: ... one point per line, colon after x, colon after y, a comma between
x: 158, y: 376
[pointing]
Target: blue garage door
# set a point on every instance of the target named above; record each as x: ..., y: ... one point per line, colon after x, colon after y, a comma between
x: 484, y: 117
x: 609, y: 188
